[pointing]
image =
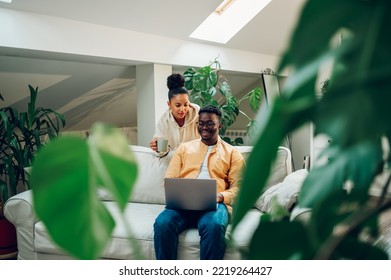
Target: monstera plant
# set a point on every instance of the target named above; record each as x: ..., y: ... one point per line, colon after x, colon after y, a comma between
x: 354, y: 113
x: 22, y: 134
x: 209, y: 87
x: 87, y: 166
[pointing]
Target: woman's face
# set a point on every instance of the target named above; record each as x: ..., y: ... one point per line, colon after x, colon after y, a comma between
x: 179, y: 105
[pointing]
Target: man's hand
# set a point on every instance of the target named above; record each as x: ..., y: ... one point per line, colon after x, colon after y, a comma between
x: 220, y: 197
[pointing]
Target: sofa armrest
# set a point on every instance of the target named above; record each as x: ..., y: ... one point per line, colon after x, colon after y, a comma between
x: 20, y: 212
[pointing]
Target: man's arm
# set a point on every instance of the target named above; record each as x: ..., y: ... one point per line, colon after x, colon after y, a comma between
x: 234, y: 177
x: 174, y: 168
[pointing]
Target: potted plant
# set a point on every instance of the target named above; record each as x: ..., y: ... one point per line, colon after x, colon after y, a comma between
x: 21, y: 136
x: 209, y: 87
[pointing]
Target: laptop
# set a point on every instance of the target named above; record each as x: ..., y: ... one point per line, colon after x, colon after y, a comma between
x: 190, y: 194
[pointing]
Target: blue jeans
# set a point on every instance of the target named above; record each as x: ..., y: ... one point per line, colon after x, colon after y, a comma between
x: 211, y: 226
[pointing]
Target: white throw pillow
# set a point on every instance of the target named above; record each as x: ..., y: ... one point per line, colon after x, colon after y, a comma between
x: 286, y: 192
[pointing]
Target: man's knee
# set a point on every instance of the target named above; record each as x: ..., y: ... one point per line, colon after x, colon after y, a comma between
x: 213, y: 228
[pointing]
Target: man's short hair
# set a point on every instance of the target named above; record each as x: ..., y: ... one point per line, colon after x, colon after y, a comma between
x: 211, y: 109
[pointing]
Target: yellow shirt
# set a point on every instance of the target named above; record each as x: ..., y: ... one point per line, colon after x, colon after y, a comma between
x: 225, y: 164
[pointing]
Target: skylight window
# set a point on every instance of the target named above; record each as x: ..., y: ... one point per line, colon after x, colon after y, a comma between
x: 228, y: 19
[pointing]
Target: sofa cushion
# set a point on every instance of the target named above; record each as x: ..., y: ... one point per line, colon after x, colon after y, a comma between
x: 148, y: 187
x: 286, y: 192
x: 151, y: 170
x: 282, y: 167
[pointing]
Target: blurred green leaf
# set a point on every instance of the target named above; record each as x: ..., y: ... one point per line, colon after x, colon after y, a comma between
x: 322, y: 20
x: 283, y: 117
x: 271, y: 241
x: 358, y: 164
x: 353, y: 249
x: 354, y: 113
x: 65, y: 178
x: 115, y: 164
x: 277, y: 211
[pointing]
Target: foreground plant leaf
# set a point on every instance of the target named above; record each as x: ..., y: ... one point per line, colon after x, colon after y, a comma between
x: 64, y: 180
x: 284, y: 116
x: 354, y: 113
x: 271, y: 241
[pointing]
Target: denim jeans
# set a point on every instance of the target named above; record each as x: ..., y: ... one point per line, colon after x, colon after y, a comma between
x: 211, y: 226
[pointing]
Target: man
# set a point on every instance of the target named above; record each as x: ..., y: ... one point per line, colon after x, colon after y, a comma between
x: 208, y: 157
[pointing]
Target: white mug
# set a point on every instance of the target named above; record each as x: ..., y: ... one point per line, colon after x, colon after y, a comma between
x: 162, y: 144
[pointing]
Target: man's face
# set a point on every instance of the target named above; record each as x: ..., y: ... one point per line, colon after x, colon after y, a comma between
x: 208, y: 127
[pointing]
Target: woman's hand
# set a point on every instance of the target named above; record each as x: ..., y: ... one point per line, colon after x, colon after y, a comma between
x: 153, y: 144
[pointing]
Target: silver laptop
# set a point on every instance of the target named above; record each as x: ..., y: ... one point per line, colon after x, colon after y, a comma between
x: 190, y: 194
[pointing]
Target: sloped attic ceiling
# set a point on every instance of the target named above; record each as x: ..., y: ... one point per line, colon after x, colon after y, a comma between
x: 83, y: 92
x: 86, y: 92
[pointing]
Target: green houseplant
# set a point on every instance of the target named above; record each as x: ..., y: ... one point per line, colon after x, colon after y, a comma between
x: 21, y: 136
x: 354, y: 112
x: 209, y: 87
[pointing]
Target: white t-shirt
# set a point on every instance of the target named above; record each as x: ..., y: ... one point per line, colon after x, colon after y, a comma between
x: 204, y: 173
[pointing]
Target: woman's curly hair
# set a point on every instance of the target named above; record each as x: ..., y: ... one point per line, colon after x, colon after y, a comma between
x: 175, y: 84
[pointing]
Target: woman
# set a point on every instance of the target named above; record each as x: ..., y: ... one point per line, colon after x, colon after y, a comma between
x: 178, y: 123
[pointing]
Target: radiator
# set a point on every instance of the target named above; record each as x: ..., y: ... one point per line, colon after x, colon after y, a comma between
x: 232, y: 133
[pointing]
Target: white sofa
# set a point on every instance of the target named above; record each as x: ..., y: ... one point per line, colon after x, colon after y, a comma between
x: 146, y: 202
